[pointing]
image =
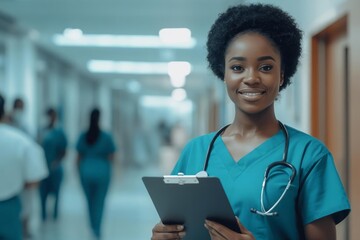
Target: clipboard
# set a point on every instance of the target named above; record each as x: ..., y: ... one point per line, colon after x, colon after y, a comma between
x: 189, y: 200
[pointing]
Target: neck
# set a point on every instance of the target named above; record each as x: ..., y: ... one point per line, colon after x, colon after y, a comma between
x: 264, y: 123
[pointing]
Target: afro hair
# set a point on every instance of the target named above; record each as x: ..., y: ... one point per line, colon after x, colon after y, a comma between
x: 267, y: 20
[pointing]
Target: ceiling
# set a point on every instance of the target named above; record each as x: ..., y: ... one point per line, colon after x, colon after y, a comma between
x: 123, y: 17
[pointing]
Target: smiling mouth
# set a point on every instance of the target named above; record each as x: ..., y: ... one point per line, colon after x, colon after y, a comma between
x: 251, y: 94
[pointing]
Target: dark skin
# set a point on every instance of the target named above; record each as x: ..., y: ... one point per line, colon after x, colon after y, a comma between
x: 253, y: 76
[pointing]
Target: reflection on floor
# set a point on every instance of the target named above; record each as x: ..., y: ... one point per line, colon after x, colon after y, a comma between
x: 129, y: 211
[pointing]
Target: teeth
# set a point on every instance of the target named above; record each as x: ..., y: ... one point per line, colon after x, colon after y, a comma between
x: 251, y: 94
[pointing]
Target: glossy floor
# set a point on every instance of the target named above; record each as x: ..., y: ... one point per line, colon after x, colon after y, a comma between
x: 129, y: 212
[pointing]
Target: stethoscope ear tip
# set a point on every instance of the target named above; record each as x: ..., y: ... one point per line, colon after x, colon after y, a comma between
x: 202, y: 174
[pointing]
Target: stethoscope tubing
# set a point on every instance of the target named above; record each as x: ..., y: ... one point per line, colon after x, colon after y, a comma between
x: 283, y: 162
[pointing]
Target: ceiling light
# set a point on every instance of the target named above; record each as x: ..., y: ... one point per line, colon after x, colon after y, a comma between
x: 179, y: 107
x: 175, y: 35
x: 126, y: 67
x: 178, y: 94
x: 177, y: 81
x: 179, y: 69
x: 125, y: 41
x: 73, y: 33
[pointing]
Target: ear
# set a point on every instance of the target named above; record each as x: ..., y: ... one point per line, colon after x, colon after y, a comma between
x: 282, y: 79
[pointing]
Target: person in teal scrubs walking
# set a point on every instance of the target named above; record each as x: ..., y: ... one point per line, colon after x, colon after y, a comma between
x: 255, y: 50
x: 54, y: 142
x: 96, y: 150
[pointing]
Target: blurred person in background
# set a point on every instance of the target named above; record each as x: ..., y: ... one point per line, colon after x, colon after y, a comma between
x: 96, y: 151
x: 17, y: 115
x: 22, y: 165
x: 29, y: 194
x: 54, y: 142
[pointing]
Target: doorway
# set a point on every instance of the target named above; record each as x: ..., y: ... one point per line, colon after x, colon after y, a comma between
x: 330, y: 98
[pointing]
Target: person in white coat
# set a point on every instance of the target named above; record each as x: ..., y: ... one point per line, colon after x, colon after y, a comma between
x: 22, y: 165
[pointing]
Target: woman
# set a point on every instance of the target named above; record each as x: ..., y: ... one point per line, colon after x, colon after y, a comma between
x: 255, y: 50
x: 95, y: 152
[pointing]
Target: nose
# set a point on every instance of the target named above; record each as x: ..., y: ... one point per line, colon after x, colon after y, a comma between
x: 252, y: 77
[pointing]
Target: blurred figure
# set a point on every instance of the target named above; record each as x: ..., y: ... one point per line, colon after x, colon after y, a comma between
x: 96, y: 150
x: 28, y: 196
x: 22, y: 164
x: 174, y: 140
x: 17, y: 118
x: 54, y: 142
x: 164, y: 132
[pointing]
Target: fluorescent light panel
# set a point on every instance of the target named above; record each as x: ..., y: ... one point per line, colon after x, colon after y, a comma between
x: 126, y: 67
x: 166, y: 102
x: 126, y: 41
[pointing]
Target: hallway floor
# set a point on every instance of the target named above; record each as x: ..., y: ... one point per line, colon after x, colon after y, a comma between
x: 129, y: 213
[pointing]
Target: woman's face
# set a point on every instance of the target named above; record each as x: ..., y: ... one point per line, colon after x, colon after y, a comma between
x: 252, y: 73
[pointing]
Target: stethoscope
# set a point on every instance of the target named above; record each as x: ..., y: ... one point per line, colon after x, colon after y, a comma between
x: 283, y: 162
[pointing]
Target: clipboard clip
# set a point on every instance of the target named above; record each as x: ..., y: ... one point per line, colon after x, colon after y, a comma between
x: 181, y: 179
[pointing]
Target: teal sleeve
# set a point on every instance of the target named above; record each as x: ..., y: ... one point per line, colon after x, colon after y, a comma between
x: 180, y: 165
x: 192, y: 157
x: 63, y: 140
x: 322, y: 193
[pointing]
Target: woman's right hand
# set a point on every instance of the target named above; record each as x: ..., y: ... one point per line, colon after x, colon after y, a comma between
x: 167, y: 232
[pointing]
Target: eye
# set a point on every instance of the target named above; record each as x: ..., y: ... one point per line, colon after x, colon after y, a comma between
x: 237, y: 68
x: 266, y: 68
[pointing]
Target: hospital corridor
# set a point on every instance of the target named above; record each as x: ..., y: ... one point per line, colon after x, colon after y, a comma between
x: 96, y: 95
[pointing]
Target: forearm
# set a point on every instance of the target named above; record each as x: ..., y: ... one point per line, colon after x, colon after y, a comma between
x: 321, y: 229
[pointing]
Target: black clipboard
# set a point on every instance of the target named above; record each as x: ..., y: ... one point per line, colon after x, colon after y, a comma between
x: 189, y: 200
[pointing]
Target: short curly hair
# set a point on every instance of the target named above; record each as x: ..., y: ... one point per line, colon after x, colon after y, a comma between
x: 270, y: 21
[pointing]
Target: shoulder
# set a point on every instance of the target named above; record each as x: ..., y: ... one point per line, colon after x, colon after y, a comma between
x: 59, y: 129
x: 301, y: 140
x: 193, y: 155
x: 307, y: 151
x: 106, y: 134
x: 197, y: 147
x: 14, y: 134
x: 17, y: 141
x: 200, y: 141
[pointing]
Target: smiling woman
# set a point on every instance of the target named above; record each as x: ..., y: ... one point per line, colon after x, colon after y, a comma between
x: 255, y: 50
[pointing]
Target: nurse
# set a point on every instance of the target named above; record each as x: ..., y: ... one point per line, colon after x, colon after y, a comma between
x: 54, y: 142
x: 96, y: 150
x: 255, y: 49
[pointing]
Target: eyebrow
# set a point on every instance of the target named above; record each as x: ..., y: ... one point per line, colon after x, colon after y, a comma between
x: 259, y: 59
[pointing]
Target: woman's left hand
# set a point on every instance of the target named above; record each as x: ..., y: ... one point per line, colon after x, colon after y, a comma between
x: 220, y: 232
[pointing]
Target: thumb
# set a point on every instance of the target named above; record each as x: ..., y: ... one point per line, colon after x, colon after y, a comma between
x: 243, y: 229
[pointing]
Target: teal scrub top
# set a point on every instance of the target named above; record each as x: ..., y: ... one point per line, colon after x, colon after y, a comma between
x: 100, y: 150
x: 316, y: 191
x: 54, y: 143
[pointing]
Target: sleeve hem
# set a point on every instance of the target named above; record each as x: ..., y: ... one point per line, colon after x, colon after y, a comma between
x: 338, y: 215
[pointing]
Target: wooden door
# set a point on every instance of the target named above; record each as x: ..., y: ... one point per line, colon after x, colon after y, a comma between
x: 330, y: 114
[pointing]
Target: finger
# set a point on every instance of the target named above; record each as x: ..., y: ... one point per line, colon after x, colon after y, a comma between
x: 168, y: 236
x: 243, y: 229
x: 160, y: 227
x: 216, y: 231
